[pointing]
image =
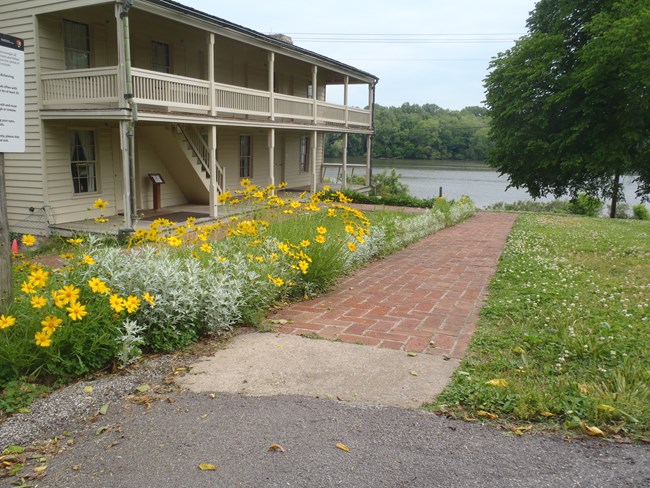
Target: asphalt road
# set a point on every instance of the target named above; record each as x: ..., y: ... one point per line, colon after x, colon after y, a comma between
x: 133, y: 446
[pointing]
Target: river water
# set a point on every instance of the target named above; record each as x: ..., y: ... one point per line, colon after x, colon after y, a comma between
x: 472, y: 178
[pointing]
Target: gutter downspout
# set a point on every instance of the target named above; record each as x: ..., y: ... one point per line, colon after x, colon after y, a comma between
x: 372, y: 126
x: 130, y: 214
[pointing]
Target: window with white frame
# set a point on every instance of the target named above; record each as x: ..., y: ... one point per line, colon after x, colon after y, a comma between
x: 76, y: 45
x: 304, y: 154
x: 83, y: 161
x: 161, y: 57
x: 245, y: 157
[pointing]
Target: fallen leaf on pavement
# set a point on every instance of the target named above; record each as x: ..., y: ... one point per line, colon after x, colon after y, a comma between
x: 38, y: 469
x: 143, y: 388
x: 593, y: 431
x: 414, y: 373
x: 547, y: 414
x: 207, y: 467
x: 412, y: 354
x: 276, y: 447
x: 88, y: 389
x: 343, y: 447
x: 491, y: 416
x: 103, y: 409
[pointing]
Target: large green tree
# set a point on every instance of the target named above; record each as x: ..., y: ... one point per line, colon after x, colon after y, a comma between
x: 569, y: 104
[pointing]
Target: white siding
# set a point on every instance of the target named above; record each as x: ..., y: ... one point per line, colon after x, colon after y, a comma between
x: 228, y: 155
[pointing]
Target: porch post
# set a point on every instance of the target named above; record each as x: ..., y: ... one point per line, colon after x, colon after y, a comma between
x: 344, y: 181
x: 212, y: 145
x: 271, y: 58
x: 272, y: 157
x: 121, y: 77
x: 314, y: 90
x: 211, y: 100
x: 345, y: 99
x: 368, y: 160
x: 314, y: 145
x: 124, y: 147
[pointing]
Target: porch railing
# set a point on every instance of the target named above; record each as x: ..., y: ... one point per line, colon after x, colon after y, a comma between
x: 99, y: 86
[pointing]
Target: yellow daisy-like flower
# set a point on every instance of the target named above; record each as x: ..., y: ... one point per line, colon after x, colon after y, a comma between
x: 98, y: 286
x: 27, y: 288
x: 326, y: 188
x: 304, y: 266
x: 38, y: 301
x: 66, y: 256
x: 6, y: 321
x: 283, y: 247
x: 277, y: 281
x: 132, y: 303
x: 117, y: 303
x: 148, y: 298
x: 75, y: 241
x: 360, y: 239
x: 50, y: 324
x: 221, y: 259
x: 43, y: 339
x: 259, y: 259
x: 295, y: 204
x: 68, y: 294
x: 28, y: 240
x: 321, y: 230
x: 245, y: 182
x: 88, y: 259
x: 202, y: 237
x: 39, y: 277
x: 331, y: 212
x: 274, y: 257
x: 258, y: 194
x: 283, y: 185
x: 350, y: 229
x: 76, y: 311
x: 320, y: 239
x: 100, y: 220
x: 288, y: 211
x: 100, y: 204
x: 352, y: 246
x: 305, y: 243
x: 206, y: 248
x: 174, y: 241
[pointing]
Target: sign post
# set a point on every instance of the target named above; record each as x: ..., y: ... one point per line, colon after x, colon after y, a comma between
x: 12, y: 139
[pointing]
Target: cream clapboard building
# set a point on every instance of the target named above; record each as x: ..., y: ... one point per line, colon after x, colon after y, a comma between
x: 119, y: 90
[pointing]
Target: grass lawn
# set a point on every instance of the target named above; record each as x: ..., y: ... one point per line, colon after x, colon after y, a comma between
x: 564, y: 338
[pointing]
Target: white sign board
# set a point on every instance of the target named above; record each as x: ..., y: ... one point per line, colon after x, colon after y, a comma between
x: 12, y: 94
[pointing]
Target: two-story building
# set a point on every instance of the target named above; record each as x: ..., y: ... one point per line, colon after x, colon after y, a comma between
x: 119, y: 90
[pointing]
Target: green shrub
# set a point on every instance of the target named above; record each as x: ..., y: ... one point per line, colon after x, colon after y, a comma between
x: 555, y: 206
x: 640, y: 212
x: 584, y: 204
x: 388, y: 184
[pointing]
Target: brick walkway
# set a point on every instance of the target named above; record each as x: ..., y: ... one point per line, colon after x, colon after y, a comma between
x: 430, y: 292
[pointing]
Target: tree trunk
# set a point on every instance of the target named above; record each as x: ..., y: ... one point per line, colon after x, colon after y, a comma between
x: 615, y: 188
x: 6, y: 279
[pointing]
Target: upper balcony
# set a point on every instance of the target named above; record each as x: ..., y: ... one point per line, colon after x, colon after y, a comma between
x: 99, y: 88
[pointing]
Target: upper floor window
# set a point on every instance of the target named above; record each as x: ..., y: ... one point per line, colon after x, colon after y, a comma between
x: 162, y: 57
x: 76, y: 45
x: 83, y: 161
x: 245, y: 157
x: 304, y: 154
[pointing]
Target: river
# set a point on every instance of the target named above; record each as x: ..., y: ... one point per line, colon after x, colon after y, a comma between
x: 472, y: 178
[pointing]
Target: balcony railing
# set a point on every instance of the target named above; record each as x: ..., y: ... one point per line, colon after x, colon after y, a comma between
x: 98, y: 87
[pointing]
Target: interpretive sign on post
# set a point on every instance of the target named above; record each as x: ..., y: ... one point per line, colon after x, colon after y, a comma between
x: 12, y: 94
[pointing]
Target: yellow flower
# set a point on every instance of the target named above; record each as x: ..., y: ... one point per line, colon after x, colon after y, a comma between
x: 27, y: 287
x: 50, y: 324
x: 305, y: 243
x: 259, y: 259
x: 295, y: 204
x: 277, y: 281
x: 28, y: 240
x: 352, y: 246
x: 98, y: 286
x: 320, y: 239
x: 6, y: 321
x: 350, y: 229
x: 174, y: 241
x: 326, y: 188
x: 38, y: 301
x: 304, y: 266
x: 88, y: 259
x: 245, y: 182
x: 149, y: 298
x: 100, y: 204
x: 68, y: 294
x: 117, y: 303
x: 258, y: 194
x: 360, y: 239
x: 132, y: 303
x: 221, y: 259
x: 321, y: 230
x: 202, y: 237
x: 331, y: 212
x: 288, y: 211
x: 283, y: 184
x: 206, y: 248
x: 274, y: 257
x: 283, y: 247
x: 43, y: 339
x: 76, y: 241
x: 66, y: 255
x: 39, y: 277
x: 100, y: 220
x: 76, y: 311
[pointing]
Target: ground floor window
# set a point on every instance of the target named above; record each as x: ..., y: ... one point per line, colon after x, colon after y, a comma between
x: 245, y: 157
x: 83, y: 161
x: 304, y: 154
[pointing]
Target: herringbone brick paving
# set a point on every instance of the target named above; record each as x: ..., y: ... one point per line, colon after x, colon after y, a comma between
x: 425, y: 298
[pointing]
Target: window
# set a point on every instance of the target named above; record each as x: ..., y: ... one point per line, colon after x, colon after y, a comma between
x: 76, y: 45
x: 162, y: 58
x: 304, y: 154
x: 83, y: 161
x: 245, y: 157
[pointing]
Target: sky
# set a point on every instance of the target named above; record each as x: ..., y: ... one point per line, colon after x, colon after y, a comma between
x: 423, y: 51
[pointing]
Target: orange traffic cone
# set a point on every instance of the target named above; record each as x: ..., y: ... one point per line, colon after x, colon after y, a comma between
x: 14, y: 247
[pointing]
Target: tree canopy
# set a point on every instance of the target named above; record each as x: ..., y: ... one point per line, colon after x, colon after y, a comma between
x: 569, y: 104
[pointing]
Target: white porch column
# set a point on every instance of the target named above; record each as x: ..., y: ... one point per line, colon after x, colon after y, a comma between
x: 121, y: 77
x: 214, y: 194
x: 344, y: 181
x: 126, y: 183
x: 368, y: 160
x: 211, y: 99
x: 272, y: 157
x: 314, y: 146
x: 371, y: 101
x: 346, y: 82
x: 271, y: 58
x: 314, y: 90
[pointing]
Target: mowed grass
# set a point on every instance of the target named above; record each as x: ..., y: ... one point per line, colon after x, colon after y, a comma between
x: 567, y: 326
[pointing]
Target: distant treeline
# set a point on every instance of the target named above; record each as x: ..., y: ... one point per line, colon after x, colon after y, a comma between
x: 420, y: 132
